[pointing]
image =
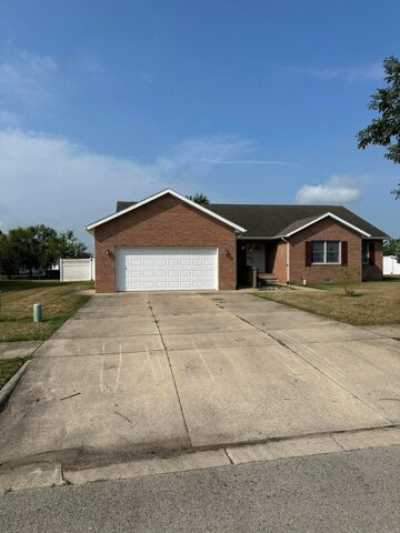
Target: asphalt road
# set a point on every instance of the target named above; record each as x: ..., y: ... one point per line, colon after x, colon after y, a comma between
x: 343, y: 492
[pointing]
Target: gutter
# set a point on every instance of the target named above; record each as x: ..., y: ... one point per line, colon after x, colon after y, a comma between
x: 250, y: 238
x: 372, y: 238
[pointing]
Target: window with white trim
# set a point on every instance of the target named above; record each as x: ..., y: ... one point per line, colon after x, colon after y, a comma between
x: 326, y: 252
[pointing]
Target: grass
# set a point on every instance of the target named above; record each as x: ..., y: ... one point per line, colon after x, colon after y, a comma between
x: 59, y: 301
x: 369, y: 303
x: 8, y: 369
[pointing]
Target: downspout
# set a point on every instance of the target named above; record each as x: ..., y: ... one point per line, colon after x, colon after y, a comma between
x: 287, y: 259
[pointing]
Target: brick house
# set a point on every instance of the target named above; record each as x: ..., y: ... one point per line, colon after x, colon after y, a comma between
x: 167, y: 242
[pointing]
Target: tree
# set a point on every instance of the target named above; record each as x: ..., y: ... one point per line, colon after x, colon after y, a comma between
x: 36, y: 248
x: 392, y: 247
x: 46, y: 246
x: 22, y: 246
x: 385, y: 130
x: 8, y: 259
x: 199, y: 198
x: 69, y: 246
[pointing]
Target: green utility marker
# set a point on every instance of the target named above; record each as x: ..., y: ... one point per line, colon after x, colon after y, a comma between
x: 37, y: 312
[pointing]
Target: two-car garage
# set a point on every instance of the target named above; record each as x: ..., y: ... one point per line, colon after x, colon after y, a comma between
x: 166, y: 242
x: 169, y: 269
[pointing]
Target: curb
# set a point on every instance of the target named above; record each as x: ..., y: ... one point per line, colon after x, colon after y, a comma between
x: 7, y: 389
x: 42, y: 471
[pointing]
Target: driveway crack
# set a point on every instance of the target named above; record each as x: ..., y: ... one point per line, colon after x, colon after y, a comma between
x: 172, y: 374
x: 364, y: 402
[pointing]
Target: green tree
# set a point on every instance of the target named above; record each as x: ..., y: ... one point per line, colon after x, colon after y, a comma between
x: 46, y: 245
x: 199, y: 198
x: 23, y: 247
x: 70, y: 246
x: 385, y: 130
x: 8, y: 259
x: 36, y: 248
x: 392, y: 247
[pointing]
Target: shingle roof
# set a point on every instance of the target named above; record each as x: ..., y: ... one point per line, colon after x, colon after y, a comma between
x: 121, y: 205
x: 274, y: 220
x: 297, y: 225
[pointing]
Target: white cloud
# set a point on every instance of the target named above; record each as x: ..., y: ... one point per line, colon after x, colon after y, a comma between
x: 203, y: 153
x: 336, y: 190
x: 54, y: 181
x: 24, y: 78
x: 245, y: 162
x: 370, y: 71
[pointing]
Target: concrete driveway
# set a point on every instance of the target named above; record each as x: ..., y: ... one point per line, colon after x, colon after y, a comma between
x: 147, y: 372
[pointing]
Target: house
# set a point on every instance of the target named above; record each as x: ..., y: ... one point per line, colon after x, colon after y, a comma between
x: 167, y: 242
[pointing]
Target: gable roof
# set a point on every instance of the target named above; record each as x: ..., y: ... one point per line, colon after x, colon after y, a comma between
x: 273, y: 221
x: 302, y: 224
x: 265, y: 221
x: 135, y: 205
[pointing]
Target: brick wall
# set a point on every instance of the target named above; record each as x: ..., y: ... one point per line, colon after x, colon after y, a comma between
x: 164, y: 222
x: 329, y: 230
x: 280, y: 262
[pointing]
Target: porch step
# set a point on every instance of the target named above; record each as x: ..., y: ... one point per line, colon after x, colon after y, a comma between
x: 265, y: 275
x: 268, y: 279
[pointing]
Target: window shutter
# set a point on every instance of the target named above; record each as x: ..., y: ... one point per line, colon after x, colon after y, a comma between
x: 371, y: 253
x: 345, y: 253
x: 308, y: 253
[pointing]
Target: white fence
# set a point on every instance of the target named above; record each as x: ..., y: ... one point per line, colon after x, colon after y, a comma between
x: 391, y: 266
x: 77, y: 269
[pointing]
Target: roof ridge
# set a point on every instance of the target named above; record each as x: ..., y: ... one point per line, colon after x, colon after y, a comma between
x: 282, y: 205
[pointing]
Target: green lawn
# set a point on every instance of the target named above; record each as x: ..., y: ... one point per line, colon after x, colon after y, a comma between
x: 8, y: 369
x: 369, y: 303
x: 59, y: 301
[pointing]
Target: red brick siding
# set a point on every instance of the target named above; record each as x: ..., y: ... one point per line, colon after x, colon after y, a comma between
x: 374, y: 272
x: 164, y: 222
x: 280, y: 262
x: 330, y: 230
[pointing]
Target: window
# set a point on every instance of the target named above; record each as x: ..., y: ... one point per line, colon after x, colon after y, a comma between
x: 332, y: 251
x: 326, y: 252
x: 318, y: 252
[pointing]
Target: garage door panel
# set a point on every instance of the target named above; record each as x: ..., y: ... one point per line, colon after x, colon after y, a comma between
x: 146, y: 269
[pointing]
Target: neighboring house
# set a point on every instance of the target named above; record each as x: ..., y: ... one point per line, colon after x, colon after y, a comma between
x: 167, y: 242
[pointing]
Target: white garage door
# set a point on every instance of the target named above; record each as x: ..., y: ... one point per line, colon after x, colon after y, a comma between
x: 167, y: 269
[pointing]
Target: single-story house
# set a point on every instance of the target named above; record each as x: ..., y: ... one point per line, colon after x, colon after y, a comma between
x: 168, y: 242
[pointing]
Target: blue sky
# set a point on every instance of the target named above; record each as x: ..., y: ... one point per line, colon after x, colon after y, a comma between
x: 245, y: 101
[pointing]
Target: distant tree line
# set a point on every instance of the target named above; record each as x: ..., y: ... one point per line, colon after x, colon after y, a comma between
x: 35, y: 249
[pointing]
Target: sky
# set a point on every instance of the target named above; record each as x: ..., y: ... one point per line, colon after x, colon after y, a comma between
x: 253, y: 102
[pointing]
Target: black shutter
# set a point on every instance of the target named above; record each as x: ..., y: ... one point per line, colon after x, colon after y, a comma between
x: 345, y: 253
x: 308, y: 253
